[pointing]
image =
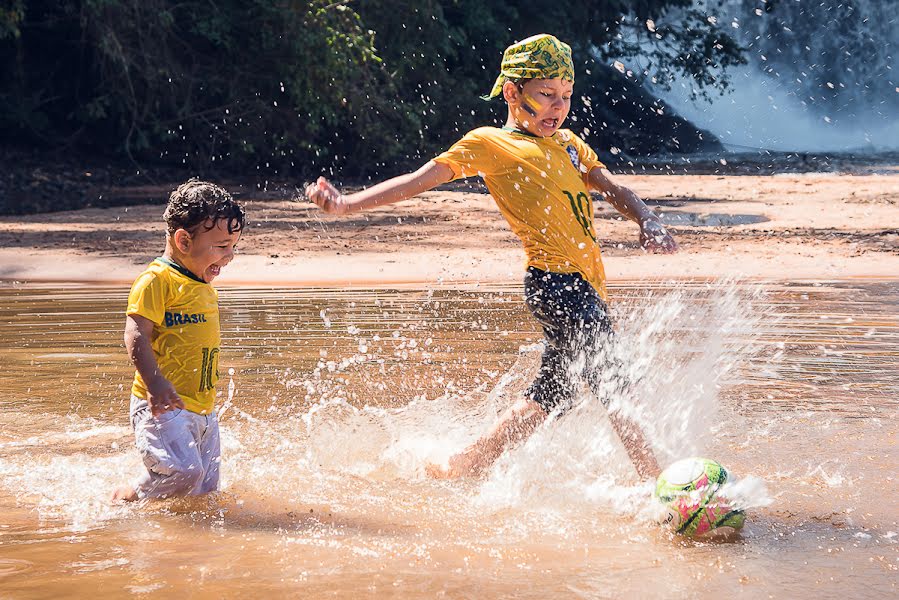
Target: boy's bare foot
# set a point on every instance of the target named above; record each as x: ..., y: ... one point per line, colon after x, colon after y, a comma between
x: 435, y: 471
x: 460, y: 465
x: 124, y: 493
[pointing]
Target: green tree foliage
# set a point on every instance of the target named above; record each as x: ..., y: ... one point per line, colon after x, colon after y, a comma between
x: 239, y: 82
x: 363, y: 85
x: 442, y: 55
x: 11, y: 14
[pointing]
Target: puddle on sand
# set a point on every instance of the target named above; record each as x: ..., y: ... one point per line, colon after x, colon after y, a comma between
x: 681, y: 218
x: 339, y: 396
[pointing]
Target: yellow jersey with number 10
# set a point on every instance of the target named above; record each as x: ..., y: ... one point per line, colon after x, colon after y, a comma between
x: 186, y: 336
x: 540, y: 187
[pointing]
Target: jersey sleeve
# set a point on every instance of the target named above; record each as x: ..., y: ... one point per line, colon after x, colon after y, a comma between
x: 147, y: 297
x: 468, y: 157
x: 586, y: 155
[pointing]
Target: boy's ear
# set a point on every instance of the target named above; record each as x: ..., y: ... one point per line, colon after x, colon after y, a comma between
x: 511, y: 93
x: 181, y: 239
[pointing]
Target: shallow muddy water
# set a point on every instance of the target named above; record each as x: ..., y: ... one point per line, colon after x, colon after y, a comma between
x: 331, y: 402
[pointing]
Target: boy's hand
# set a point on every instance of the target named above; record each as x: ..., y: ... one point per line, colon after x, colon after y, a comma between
x: 655, y: 238
x: 326, y: 197
x: 162, y: 396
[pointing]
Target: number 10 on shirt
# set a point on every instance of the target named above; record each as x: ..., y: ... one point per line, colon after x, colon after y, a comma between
x: 580, y: 205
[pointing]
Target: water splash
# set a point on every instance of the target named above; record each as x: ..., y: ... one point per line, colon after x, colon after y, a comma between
x: 71, y: 487
x: 678, y: 347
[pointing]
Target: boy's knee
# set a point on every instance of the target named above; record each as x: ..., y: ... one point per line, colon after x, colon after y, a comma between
x: 595, y: 327
x: 171, y: 481
x: 183, y: 480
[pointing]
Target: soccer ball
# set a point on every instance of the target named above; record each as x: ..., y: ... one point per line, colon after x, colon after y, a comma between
x: 689, y: 491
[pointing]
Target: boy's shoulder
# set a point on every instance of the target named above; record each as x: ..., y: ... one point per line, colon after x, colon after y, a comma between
x: 171, y: 272
x: 165, y: 273
x: 485, y: 132
x: 156, y: 266
x: 153, y: 270
x: 153, y: 282
x: 567, y: 135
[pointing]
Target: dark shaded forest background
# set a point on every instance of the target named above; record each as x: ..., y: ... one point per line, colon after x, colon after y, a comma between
x: 356, y: 88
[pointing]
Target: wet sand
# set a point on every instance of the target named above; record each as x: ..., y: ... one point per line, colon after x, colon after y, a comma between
x: 790, y: 226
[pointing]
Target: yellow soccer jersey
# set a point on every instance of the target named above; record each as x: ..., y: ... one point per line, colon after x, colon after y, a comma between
x: 186, y: 336
x: 540, y: 187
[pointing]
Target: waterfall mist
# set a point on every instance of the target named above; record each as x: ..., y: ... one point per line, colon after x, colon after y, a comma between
x: 820, y: 77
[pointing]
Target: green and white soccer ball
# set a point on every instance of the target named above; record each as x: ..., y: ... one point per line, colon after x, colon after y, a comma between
x: 694, y: 507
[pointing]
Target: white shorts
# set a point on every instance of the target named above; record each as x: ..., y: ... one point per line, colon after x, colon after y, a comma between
x: 180, y: 449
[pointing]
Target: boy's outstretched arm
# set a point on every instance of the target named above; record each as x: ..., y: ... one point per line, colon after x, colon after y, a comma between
x: 330, y: 200
x: 653, y: 235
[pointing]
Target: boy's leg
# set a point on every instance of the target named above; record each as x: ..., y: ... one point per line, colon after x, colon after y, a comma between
x: 578, y: 326
x: 518, y: 422
x: 553, y: 388
x: 637, y: 446
x: 210, y: 453
x: 169, y: 446
x: 600, y: 365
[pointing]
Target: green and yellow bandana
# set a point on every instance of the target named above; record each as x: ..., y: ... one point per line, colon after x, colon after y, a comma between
x: 542, y: 56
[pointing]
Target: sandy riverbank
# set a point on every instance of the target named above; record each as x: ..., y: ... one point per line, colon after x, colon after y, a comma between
x: 792, y: 226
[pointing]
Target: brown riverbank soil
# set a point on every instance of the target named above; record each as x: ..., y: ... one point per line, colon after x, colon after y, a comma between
x: 795, y: 225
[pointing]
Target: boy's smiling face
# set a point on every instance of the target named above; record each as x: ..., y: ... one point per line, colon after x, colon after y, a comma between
x: 207, y: 250
x: 539, y: 106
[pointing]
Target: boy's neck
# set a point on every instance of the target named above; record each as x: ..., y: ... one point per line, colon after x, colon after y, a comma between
x: 512, y: 124
x: 172, y: 254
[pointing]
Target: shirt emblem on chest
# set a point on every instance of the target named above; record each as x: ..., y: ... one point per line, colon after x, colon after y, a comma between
x: 572, y: 154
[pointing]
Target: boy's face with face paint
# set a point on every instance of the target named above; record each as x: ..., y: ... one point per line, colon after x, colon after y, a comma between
x: 538, y: 106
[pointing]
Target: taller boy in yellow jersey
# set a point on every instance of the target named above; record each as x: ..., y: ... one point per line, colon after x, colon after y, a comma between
x: 540, y: 176
x: 173, y: 338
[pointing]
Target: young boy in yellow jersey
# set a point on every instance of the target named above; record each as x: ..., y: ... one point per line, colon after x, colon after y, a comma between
x: 540, y: 177
x: 173, y: 338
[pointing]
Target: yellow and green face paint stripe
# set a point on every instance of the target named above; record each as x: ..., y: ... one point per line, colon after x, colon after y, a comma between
x: 529, y: 104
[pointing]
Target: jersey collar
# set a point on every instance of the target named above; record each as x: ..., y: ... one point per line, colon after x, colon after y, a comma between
x: 527, y: 133
x: 519, y: 131
x: 179, y: 268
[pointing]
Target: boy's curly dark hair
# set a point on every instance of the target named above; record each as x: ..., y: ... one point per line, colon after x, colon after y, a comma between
x: 195, y: 202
